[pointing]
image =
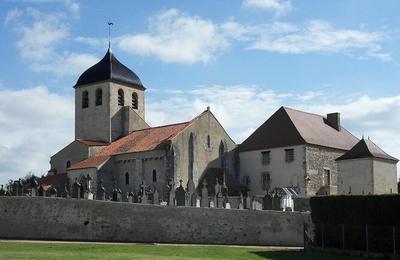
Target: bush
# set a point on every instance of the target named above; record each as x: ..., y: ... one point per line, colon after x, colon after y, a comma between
x: 379, y: 212
x: 356, y: 210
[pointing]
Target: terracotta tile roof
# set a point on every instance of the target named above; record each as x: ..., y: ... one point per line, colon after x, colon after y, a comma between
x: 288, y: 127
x: 52, y: 180
x: 92, y: 142
x: 137, y: 141
x: 366, y: 149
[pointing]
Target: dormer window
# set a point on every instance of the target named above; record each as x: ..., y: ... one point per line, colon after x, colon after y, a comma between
x: 134, y: 101
x: 120, y: 97
x: 85, y: 99
x: 99, y: 97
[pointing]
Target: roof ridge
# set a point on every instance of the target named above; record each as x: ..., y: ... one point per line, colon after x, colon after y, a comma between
x: 305, y: 112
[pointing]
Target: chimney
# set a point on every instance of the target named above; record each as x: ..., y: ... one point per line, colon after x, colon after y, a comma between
x: 334, y: 120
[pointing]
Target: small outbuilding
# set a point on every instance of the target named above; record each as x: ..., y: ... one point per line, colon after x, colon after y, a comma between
x: 366, y: 169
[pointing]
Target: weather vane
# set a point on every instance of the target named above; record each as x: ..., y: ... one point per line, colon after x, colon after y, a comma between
x: 109, y: 33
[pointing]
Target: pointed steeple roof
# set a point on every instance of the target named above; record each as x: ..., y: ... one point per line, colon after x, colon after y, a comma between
x: 366, y: 149
x: 109, y: 68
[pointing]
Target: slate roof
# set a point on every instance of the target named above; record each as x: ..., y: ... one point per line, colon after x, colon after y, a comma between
x: 289, y: 127
x: 109, y: 68
x: 366, y: 149
x: 137, y: 141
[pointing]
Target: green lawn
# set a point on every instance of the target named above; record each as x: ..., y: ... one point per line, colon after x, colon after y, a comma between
x: 33, y: 250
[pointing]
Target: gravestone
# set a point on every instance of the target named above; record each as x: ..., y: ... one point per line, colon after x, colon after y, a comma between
x: 180, y: 195
x: 248, y: 202
x: 53, y: 192
x: 156, y: 199
x: 198, y: 203
x: 212, y: 203
x: 171, y: 192
x: 101, y: 191
x: 241, y: 202
x: 88, y: 194
x: 227, y: 205
x: 130, y: 197
x: 77, y: 189
x: 2, y: 191
x: 276, y: 202
x: 204, y: 195
x: 115, y: 193
x: 191, y: 193
x: 41, y: 191
x: 34, y: 187
x: 267, y: 201
x: 66, y: 192
x: 143, y: 188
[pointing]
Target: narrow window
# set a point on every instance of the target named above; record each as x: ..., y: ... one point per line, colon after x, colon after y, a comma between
x: 68, y: 164
x: 154, y: 176
x: 99, y: 97
x: 327, y: 177
x: 120, y: 97
x: 289, y: 155
x: 85, y: 99
x: 265, y: 157
x: 191, y: 155
x: 222, y: 155
x: 208, y: 141
x: 127, y: 178
x: 134, y: 101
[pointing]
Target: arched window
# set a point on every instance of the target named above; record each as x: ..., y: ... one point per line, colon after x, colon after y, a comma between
x: 134, y: 101
x: 68, y: 164
x: 191, y: 156
x: 222, y: 154
x: 127, y: 178
x: 208, y: 141
x: 154, y: 176
x: 85, y: 99
x: 99, y: 97
x: 120, y: 97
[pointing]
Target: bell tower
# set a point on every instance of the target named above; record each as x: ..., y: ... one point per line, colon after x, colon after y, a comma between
x: 109, y: 101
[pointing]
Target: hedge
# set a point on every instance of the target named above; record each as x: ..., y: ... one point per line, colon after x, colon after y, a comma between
x: 356, y: 209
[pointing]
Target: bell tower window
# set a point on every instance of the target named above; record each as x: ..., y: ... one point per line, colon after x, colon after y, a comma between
x: 120, y: 97
x: 85, y: 99
x: 134, y: 101
x: 99, y: 97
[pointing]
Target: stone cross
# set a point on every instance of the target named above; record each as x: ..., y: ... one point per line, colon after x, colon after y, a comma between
x: 143, y: 187
x: 130, y: 197
x: 241, y: 203
x: 78, y: 188
x: 180, y: 195
x: 171, y: 192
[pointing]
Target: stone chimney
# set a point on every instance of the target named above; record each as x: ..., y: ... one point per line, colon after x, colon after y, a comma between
x: 334, y: 120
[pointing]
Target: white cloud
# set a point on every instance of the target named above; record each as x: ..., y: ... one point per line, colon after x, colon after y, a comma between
x: 12, y: 15
x: 73, y: 7
x: 34, y: 124
x: 317, y: 36
x: 279, y: 7
x: 67, y: 64
x: 176, y: 37
x: 41, y: 38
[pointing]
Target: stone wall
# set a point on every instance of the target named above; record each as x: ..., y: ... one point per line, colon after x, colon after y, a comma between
x: 318, y: 159
x: 84, y: 220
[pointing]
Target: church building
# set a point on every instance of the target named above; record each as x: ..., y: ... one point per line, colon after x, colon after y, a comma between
x: 117, y: 148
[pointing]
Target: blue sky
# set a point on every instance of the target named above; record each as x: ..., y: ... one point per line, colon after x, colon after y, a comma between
x: 244, y: 58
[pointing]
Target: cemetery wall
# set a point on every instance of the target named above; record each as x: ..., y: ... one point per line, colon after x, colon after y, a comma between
x: 85, y: 220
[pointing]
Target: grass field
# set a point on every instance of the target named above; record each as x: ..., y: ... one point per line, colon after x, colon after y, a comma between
x: 58, y: 250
